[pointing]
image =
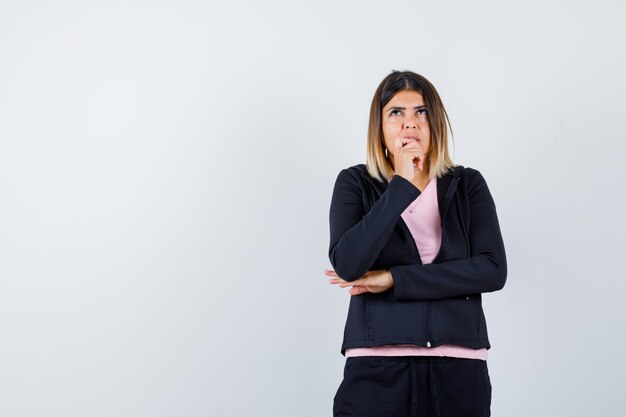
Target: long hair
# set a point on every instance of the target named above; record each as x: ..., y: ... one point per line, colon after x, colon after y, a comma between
x: 378, y: 164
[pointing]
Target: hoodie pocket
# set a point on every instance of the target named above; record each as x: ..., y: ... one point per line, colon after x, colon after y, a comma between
x: 455, y: 319
x: 396, y: 321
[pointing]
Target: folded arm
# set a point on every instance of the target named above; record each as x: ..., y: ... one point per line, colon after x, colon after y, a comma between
x: 356, y: 237
x: 484, y: 271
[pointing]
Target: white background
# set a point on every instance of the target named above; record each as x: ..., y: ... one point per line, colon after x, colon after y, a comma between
x: 166, y: 170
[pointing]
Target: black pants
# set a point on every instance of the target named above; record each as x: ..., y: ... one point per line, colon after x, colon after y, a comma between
x: 413, y: 386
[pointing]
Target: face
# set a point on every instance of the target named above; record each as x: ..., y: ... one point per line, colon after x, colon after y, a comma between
x: 405, y: 118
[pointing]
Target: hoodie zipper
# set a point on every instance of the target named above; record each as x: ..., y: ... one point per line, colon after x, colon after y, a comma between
x: 427, y: 323
x: 446, y: 204
x: 419, y: 259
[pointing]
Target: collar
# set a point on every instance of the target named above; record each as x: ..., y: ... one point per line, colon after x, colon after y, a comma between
x: 446, y: 185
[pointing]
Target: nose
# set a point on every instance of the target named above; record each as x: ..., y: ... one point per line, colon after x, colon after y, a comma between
x: 410, y: 122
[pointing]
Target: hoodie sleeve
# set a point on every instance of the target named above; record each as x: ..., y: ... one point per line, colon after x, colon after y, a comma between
x: 484, y: 271
x: 356, y: 237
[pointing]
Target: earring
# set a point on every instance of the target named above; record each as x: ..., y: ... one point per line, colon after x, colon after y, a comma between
x: 386, y: 154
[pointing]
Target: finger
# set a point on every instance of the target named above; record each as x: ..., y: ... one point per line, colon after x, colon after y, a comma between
x: 409, y: 148
x: 413, y: 153
x: 410, y: 145
x: 349, y: 283
x: 358, y: 290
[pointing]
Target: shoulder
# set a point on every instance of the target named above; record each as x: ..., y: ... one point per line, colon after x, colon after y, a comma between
x: 360, y: 169
x: 472, y: 175
x: 455, y: 171
x: 475, y: 183
x: 349, y: 180
x: 352, y: 173
x: 358, y: 179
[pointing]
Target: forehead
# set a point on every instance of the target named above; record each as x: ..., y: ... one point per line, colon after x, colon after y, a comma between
x: 406, y: 98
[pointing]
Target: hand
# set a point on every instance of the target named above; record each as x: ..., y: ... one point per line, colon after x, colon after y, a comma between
x: 408, y: 156
x: 373, y: 281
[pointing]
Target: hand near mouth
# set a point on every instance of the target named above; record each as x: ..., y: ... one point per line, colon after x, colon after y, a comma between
x: 409, y: 156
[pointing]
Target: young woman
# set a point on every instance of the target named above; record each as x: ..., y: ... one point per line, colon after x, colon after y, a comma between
x: 417, y: 238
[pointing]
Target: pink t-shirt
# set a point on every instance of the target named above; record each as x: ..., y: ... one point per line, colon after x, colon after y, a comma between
x: 423, y: 219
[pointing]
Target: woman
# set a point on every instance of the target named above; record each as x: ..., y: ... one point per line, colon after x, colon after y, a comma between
x: 417, y: 238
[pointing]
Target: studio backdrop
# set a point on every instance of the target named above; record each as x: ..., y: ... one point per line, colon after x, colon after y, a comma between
x: 166, y: 170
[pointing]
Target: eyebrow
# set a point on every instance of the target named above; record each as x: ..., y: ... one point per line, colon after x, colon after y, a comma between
x: 404, y: 108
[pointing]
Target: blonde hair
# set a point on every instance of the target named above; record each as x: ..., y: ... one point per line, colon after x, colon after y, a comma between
x: 438, y: 160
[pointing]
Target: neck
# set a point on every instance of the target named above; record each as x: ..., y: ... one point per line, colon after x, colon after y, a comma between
x: 420, y: 177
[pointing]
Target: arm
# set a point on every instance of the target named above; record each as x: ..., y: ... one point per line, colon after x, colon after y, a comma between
x: 484, y: 271
x: 356, y: 237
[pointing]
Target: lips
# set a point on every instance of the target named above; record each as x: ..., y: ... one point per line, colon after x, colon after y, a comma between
x: 405, y: 139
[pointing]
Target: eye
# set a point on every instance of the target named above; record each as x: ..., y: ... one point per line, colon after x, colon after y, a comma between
x: 394, y: 112
x: 422, y: 111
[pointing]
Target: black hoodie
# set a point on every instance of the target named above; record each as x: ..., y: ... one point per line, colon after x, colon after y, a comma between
x: 428, y: 305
